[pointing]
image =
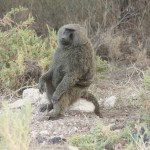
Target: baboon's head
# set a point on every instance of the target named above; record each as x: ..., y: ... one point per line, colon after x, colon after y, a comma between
x: 72, y: 34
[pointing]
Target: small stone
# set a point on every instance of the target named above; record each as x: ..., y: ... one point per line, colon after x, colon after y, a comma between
x: 44, y: 132
x: 110, y: 102
x: 134, y: 96
x: 117, y: 127
x: 55, y: 139
x: 54, y: 133
x: 33, y: 134
x: 75, y: 129
x: 41, y: 139
x: 72, y: 148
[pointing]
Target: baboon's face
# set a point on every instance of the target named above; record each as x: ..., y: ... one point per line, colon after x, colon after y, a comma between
x: 72, y: 35
x: 67, y: 36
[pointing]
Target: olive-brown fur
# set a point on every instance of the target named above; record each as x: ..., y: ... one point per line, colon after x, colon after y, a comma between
x: 72, y: 71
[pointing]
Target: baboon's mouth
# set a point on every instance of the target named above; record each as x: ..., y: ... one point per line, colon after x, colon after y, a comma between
x: 64, y: 42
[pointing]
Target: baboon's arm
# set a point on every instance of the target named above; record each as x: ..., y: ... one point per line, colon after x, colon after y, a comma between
x: 67, y: 82
x: 43, y: 78
x: 83, y: 83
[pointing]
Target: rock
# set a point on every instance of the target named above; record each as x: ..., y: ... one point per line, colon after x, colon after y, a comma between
x: 83, y: 105
x: 56, y: 139
x: 110, y: 102
x: 41, y: 139
x: 72, y: 148
x: 44, y: 132
x: 17, y: 104
x: 33, y: 134
x: 117, y: 127
x: 134, y: 96
x: 43, y: 99
x: 32, y: 94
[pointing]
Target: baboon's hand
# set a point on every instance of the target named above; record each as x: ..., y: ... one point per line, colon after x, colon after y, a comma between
x: 41, y: 86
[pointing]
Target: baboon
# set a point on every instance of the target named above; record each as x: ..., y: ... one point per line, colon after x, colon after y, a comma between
x: 71, y: 73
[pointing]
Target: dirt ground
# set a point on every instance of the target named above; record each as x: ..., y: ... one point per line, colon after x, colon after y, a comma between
x: 126, y: 84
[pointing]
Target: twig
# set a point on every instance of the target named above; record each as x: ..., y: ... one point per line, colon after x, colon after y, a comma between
x: 24, y: 87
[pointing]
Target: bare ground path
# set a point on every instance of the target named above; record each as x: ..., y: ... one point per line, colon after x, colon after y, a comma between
x: 126, y: 85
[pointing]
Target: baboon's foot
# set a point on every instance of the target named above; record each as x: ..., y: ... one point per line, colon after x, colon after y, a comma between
x: 53, y: 115
x: 56, y: 118
x: 99, y: 114
x: 45, y: 107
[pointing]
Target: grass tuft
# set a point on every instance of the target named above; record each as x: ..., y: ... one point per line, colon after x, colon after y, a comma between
x: 14, y: 128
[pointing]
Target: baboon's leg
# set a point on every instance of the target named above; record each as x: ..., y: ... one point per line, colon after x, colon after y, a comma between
x: 60, y: 107
x: 90, y: 97
x: 49, y: 92
x: 55, y: 112
x: 45, y: 107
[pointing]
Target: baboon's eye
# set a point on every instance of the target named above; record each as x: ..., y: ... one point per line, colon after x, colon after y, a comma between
x: 71, y: 36
x: 70, y: 30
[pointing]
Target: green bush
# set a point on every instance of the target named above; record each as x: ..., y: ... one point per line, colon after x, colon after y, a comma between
x: 14, y: 128
x: 20, y: 43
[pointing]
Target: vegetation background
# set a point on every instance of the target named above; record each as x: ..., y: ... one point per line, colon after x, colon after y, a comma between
x: 120, y: 34
x: 119, y: 31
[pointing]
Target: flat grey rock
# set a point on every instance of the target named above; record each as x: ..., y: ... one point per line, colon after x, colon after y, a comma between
x: 83, y: 105
x: 32, y: 94
x: 17, y: 104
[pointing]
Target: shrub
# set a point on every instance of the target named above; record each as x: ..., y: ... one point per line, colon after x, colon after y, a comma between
x: 20, y: 44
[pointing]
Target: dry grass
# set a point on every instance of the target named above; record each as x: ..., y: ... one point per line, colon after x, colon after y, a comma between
x: 14, y: 128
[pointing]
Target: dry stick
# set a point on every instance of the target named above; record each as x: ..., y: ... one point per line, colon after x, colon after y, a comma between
x: 24, y: 87
x: 142, y: 148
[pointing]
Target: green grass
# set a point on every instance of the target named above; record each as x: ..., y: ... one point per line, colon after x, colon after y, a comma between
x: 102, y: 138
x: 98, y: 139
x: 102, y: 65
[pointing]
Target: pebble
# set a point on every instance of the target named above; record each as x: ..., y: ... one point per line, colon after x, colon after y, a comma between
x: 44, y: 132
x: 110, y: 102
x: 72, y: 148
x: 55, y: 140
x: 41, y: 139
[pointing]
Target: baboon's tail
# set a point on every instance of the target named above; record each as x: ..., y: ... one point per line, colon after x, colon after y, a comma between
x: 91, y: 98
